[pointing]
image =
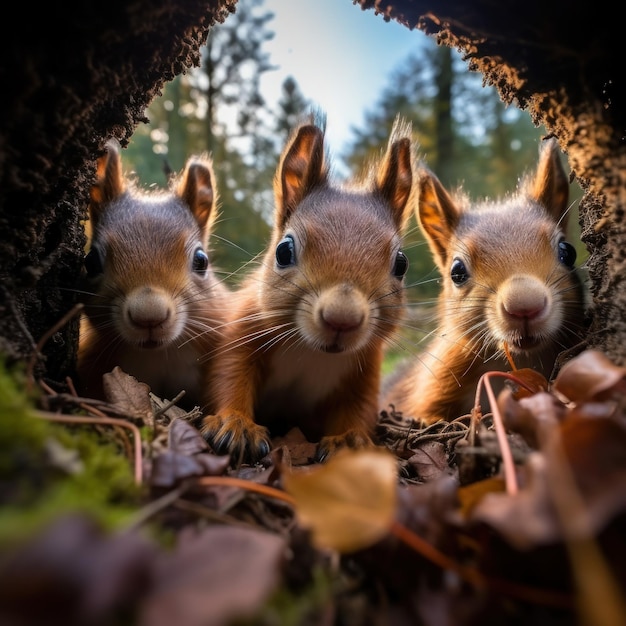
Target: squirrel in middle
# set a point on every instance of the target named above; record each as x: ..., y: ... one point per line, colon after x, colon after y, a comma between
x: 307, y: 330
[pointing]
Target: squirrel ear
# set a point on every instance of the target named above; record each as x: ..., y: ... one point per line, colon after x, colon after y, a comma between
x: 110, y: 183
x: 197, y: 189
x: 438, y: 215
x: 549, y: 185
x: 394, y: 179
x: 302, y: 167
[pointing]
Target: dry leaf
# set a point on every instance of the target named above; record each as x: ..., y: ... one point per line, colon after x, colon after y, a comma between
x: 590, y: 376
x: 185, y: 439
x: 73, y: 572
x: 430, y: 461
x: 527, y: 519
x: 470, y: 495
x: 349, y: 502
x: 533, y: 379
x: 129, y: 396
x: 213, y: 578
x: 527, y: 415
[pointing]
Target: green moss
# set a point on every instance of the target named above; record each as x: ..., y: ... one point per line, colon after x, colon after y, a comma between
x: 49, y: 469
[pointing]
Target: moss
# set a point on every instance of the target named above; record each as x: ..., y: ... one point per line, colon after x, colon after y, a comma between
x: 49, y: 469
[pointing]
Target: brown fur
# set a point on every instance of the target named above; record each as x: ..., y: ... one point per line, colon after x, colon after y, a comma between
x: 305, y: 342
x: 147, y: 310
x: 518, y: 291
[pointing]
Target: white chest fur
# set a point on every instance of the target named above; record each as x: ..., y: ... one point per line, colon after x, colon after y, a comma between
x: 304, y: 375
x: 167, y: 371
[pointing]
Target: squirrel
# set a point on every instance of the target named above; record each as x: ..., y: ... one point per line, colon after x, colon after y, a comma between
x: 509, y: 283
x: 308, y: 326
x: 155, y: 306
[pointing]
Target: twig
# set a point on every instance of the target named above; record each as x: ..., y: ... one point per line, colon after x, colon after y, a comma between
x: 79, y: 419
x: 477, y: 578
x: 157, y: 505
x: 232, y: 481
x: 169, y: 405
x: 83, y: 404
x: 510, y: 477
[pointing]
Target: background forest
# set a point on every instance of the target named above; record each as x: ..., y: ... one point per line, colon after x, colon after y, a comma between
x: 466, y: 134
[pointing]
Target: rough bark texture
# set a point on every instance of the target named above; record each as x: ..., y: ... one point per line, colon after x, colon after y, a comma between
x: 76, y: 73
x: 563, y: 63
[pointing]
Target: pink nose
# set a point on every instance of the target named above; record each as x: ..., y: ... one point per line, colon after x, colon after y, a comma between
x: 524, y: 297
x: 528, y: 312
x: 341, y: 321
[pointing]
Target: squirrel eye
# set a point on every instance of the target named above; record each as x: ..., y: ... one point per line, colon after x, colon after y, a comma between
x: 286, y: 252
x: 200, y: 261
x: 93, y: 263
x: 567, y: 254
x: 401, y: 264
x: 458, y: 272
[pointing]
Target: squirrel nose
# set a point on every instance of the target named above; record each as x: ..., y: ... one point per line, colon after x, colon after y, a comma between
x: 339, y: 320
x: 342, y: 309
x: 524, y: 297
x: 147, y: 308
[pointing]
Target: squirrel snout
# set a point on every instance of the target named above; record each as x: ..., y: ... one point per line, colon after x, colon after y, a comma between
x: 342, y: 308
x: 147, y: 308
x: 524, y: 297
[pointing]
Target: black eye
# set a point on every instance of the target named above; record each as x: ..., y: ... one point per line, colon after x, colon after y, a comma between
x: 401, y: 264
x: 286, y: 252
x: 567, y: 253
x: 200, y: 261
x: 93, y: 263
x: 458, y: 272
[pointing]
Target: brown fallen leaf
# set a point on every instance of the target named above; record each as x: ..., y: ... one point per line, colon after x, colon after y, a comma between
x: 73, y: 572
x: 349, y: 502
x: 430, y: 461
x: 526, y: 519
x: 523, y: 417
x: 214, y: 577
x: 129, y: 396
x: 185, y: 439
x: 534, y: 381
x: 590, y: 376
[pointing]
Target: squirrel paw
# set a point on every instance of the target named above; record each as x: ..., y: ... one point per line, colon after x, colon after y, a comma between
x: 236, y: 435
x: 331, y: 444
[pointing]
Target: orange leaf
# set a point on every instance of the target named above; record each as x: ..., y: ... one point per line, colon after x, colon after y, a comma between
x: 533, y: 379
x: 349, y: 502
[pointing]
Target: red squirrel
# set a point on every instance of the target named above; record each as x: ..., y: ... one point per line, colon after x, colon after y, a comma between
x: 305, y: 339
x: 509, y: 281
x: 154, y: 305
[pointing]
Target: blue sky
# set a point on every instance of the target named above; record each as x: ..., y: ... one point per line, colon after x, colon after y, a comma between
x: 340, y: 56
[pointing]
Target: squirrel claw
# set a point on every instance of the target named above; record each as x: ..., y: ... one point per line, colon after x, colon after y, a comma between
x: 236, y: 435
x: 330, y: 445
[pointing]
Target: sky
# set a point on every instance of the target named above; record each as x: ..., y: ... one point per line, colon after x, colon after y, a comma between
x: 340, y: 56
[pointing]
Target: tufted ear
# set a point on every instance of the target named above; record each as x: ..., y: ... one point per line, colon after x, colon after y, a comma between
x: 438, y: 215
x: 302, y: 168
x: 109, y: 184
x: 549, y: 185
x: 198, y: 190
x: 394, y: 177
